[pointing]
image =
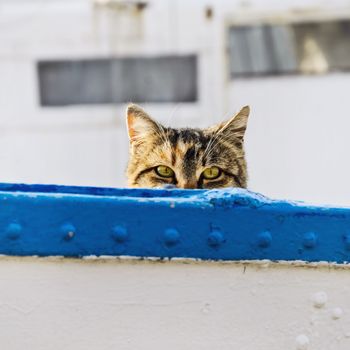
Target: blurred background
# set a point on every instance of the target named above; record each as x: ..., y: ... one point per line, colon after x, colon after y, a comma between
x: 69, y: 67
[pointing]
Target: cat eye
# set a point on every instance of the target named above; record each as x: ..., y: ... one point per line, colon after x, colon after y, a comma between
x: 211, y: 173
x: 164, y: 171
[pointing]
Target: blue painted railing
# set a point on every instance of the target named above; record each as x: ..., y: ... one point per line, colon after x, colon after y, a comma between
x: 231, y: 224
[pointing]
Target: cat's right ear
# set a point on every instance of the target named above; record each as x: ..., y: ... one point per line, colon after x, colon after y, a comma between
x: 139, y: 123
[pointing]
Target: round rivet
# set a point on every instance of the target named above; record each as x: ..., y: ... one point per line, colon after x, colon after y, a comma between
x: 68, y: 231
x: 347, y: 241
x: 320, y: 299
x: 215, y: 238
x: 302, y: 342
x: 171, y: 236
x: 120, y: 234
x: 13, y: 231
x: 309, y: 240
x: 337, y: 312
x: 264, y: 239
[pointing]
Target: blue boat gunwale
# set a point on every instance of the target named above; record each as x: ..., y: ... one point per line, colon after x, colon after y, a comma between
x: 219, y: 224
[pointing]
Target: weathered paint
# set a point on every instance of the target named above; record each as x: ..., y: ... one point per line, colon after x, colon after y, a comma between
x: 55, y: 304
x: 230, y: 224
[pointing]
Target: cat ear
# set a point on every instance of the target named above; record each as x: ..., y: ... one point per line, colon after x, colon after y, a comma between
x: 236, y: 126
x: 139, y: 123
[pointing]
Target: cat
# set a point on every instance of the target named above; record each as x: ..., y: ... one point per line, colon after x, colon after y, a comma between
x: 186, y: 158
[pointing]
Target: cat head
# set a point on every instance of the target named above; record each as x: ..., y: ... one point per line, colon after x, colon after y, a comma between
x: 186, y: 158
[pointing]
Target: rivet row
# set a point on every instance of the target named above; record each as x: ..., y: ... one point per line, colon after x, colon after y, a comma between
x: 172, y: 237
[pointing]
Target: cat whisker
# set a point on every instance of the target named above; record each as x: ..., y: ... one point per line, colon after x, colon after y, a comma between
x: 213, y: 139
x: 215, y: 143
x: 175, y: 109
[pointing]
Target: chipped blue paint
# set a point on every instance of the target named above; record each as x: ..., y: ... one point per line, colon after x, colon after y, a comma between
x: 231, y: 224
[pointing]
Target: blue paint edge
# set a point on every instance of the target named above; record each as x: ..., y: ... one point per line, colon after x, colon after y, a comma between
x: 228, y: 224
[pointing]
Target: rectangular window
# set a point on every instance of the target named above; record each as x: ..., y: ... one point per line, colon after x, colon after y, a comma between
x: 296, y: 48
x: 260, y: 50
x: 101, y: 81
x: 323, y: 46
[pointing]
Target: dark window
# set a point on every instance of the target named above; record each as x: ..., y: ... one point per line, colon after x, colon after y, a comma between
x: 159, y: 79
x: 257, y: 50
x: 323, y: 46
x: 312, y: 47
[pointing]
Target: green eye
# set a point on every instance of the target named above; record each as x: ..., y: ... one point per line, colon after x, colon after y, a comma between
x: 164, y: 171
x: 211, y: 173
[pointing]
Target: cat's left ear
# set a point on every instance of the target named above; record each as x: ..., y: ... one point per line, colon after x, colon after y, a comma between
x: 236, y: 126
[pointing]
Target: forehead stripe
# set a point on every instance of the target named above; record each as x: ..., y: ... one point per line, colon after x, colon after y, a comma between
x: 189, y: 161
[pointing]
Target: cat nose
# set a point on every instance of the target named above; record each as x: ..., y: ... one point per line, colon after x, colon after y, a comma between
x: 188, y: 185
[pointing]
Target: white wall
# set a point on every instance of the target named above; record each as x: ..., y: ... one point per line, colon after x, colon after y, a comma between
x: 84, y: 305
x: 297, y: 138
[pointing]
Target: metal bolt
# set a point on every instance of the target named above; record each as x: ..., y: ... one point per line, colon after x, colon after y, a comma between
x: 302, y: 342
x: 320, y: 299
x: 337, y: 312
x: 120, y: 234
x: 13, y: 231
x: 264, y: 239
x: 309, y: 240
x: 215, y: 238
x: 171, y: 236
x: 68, y: 231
